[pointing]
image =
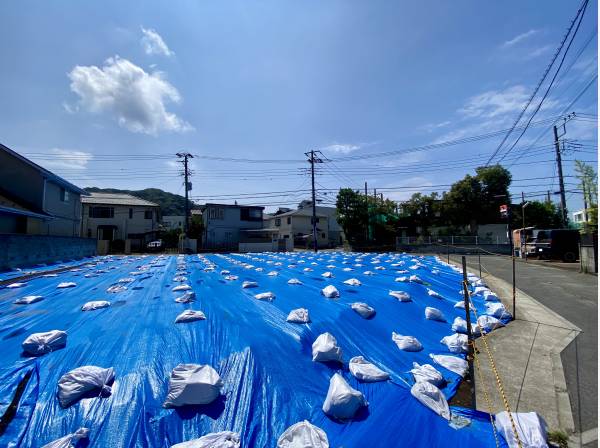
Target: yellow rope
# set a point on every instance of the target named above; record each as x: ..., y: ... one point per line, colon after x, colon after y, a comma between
x: 485, y: 394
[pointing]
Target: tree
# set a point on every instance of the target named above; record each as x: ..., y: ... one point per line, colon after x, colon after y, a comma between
x: 588, y: 179
x: 542, y: 215
x: 421, y: 211
x: 352, y: 214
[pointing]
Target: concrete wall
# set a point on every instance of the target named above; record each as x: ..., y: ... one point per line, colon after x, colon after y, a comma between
x: 272, y: 246
x: 125, y: 226
x: 29, y: 250
x: 588, y: 259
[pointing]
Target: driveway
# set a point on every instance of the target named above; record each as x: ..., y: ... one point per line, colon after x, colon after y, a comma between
x: 575, y: 297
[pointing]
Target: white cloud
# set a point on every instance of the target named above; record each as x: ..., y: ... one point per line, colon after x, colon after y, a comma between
x: 430, y: 127
x: 521, y: 37
x: 341, y: 148
x: 136, y: 98
x: 540, y: 51
x: 495, y: 102
x: 67, y: 159
x: 153, y: 43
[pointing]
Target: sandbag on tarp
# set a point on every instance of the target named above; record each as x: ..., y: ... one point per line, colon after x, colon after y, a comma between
x: 95, y: 305
x: 70, y: 440
x: 430, y: 396
x: 78, y: 382
x: 366, y: 371
x: 452, y: 363
x: 224, y: 439
x: 402, y: 296
x: 116, y: 288
x: 325, y: 348
x: 16, y: 285
x: 294, y: 281
x: 428, y: 373
x: 488, y: 323
x: 368, y: 273
x: 434, y: 314
x: 187, y: 297
x: 407, y: 343
x: 531, y: 429
x: 273, y: 274
x: 231, y: 278
x: 181, y: 288
x: 415, y: 279
x: 497, y: 310
x: 342, y: 401
x: 489, y: 296
x: 460, y: 326
x: 66, y: 285
x: 190, y: 316
x: 327, y: 274
x: 435, y: 294
x: 298, y: 316
x: 456, y: 343
x: 193, y: 384
x: 37, y: 344
x: 401, y: 279
x: 180, y: 278
x: 303, y: 435
x: 28, y: 300
x: 363, y: 310
x: 249, y: 284
x: 268, y: 296
x: 330, y: 292
x: 352, y: 282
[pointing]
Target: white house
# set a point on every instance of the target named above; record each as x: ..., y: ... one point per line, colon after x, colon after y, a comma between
x: 118, y: 216
x: 297, y: 226
x: 226, y: 225
x: 173, y: 222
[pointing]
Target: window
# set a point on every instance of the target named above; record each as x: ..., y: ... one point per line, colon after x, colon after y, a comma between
x: 89, y: 233
x: 277, y: 222
x: 215, y: 213
x: 148, y: 214
x: 250, y: 214
x: 289, y: 219
x: 322, y: 235
x: 64, y: 195
x: 130, y: 213
x: 102, y: 212
x: 286, y: 236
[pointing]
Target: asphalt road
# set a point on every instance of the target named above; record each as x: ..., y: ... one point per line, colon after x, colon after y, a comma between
x: 575, y: 297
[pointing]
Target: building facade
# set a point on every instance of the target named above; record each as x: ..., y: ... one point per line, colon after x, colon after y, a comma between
x: 297, y: 226
x: 35, y: 201
x: 226, y: 225
x: 117, y: 216
x: 173, y: 222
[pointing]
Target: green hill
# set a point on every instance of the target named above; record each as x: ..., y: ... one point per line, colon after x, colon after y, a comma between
x: 170, y: 204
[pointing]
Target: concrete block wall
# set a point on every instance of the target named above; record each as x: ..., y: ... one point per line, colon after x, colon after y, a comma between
x: 28, y: 250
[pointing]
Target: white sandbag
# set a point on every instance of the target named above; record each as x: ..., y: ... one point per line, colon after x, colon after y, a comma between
x: 347, y: 269
x: 231, y: 277
x: 368, y: 273
x: 95, y: 305
x: 327, y: 274
x: 307, y: 269
x: 434, y: 294
x: 294, y: 281
x: 249, y: 284
x: 434, y: 314
x: 66, y: 285
x: 16, y: 285
x: 489, y: 296
x: 325, y: 348
x: 379, y: 268
x: 342, y: 401
x: 37, y: 344
x: 303, y: 435
x: 488, y: 323
x: 461, y: 305
x: 460, y: 326
x: 268, y: 296
x: 497, y: 310
x: 407, y: 343
x: 126, y: 280
x: 366, y: 371
x: 402, y: 296
x: 480, y: 290
x: 259, y: 269
x: 116, y: 288
x: 428, y: 373
x: 224, y: 439
x: 402, y: 279
x: 70, y: 440
x: 531, y: 428
x: 181, y: 288
x: 330, y: 292
x: 352, y: 282
x: 363, y: 310
x: 415, y: 279
x: 430, y: 396
x: 273, y: 274
x: 452, y: 363
x: 180, y: 278
x: 187, y: 297
x: 456, y: 343
x: 193, y: 384
x: 298, y: 316
x: 28, y: 300
x: 225, y: 272
x: 78, y: 382
x: 189, y: 316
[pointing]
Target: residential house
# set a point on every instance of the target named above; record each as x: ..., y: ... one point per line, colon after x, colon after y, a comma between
x: 118, y: 216
x: 173, y: 222
x: 297, y: 226
x: 36, y: 201
x: 226, y: 225
x: 579, y: 219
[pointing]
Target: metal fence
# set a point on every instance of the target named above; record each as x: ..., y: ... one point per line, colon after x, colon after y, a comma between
x: 452, y: 240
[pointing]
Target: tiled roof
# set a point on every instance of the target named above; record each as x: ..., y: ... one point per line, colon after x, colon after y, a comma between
x: 116, y: 199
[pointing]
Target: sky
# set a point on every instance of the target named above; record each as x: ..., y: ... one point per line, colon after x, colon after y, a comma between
x: 106, y: 93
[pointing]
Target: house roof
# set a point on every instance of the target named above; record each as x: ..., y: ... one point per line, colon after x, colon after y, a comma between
x: 44, y: 172
x: 210, y: 204
x: 300, y: 212
x: 116, y: 199
x: 22, y: 212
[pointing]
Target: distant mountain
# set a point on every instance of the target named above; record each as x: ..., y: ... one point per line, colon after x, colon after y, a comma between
x: 170, y: 204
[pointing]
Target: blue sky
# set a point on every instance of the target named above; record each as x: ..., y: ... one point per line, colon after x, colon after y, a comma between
x: 87, y: 88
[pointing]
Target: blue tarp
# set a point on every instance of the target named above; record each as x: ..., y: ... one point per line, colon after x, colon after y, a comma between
x: 270, y: 379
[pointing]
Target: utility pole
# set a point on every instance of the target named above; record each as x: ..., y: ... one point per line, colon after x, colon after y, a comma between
x: 548, y: 199
x: 188, y: 186
x: 312, y: 160
x: 585, y: 206
x: 561, y: 182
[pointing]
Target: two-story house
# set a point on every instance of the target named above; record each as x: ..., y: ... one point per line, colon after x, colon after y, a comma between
x: 297, y: 225
x: 118, y: 216
x: 225, y: 225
